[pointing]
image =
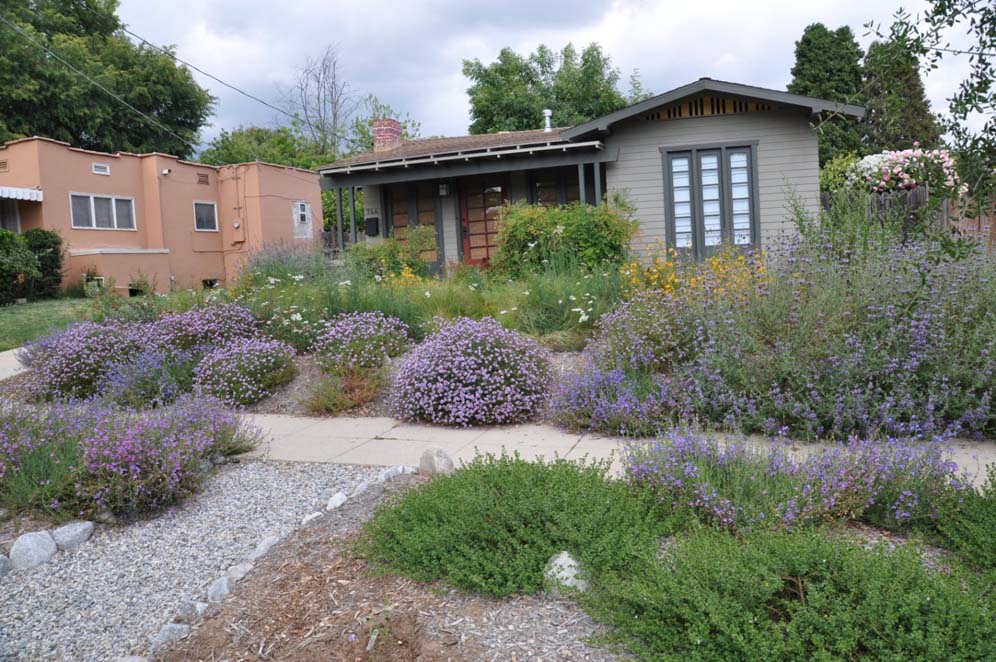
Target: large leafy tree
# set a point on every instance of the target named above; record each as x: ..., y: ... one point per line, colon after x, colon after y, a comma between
x: 510, y: 93
x: 40, y: 95
x: 828, y: 66
x: 281, y: 145
x: 927, y: 37
x: 897, y: 106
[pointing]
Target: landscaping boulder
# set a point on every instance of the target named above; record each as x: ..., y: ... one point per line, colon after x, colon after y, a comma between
x: 337, y: 500
x: 263, y: 547
x: 435, y: 462
x: 72, y: 535
x: 218, y: 590
x: 170, y: 634
x: 309, y: 518
x: 397, y: 470
x: 133, y: 658
x: 361, y: 488
x: 564, y: 572
x: 238, y: 572
x: 4, y: 565
x: 190, y: 612
x: 32, y: 549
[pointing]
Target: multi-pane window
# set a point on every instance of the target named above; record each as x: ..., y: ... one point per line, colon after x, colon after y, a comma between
x: 483, y: 198
x: 710, y: 198
x: 554, y: 186
x: 205, y: 217
x: 101, y: 212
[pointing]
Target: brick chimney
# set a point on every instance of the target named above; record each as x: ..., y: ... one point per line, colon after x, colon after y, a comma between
x: 387, y: 134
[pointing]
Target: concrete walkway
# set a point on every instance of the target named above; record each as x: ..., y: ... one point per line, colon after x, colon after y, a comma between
x: 384, y: 441
x: 381, y: 441
x: 8, y: 364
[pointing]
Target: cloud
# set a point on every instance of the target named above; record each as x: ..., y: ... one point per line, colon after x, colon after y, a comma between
x: 410, y: 54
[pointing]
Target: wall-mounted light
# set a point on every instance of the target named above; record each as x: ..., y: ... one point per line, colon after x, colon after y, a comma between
x: 444, y: 190
x: 236, y: 225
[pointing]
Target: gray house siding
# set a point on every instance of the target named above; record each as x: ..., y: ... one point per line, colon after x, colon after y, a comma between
x: 787, y: 165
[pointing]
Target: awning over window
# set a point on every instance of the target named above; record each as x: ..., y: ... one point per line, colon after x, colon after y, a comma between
x: 15, y: 193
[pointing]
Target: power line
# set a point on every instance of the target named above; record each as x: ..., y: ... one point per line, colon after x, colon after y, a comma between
x: 211, y: 76
x: 95, y: 83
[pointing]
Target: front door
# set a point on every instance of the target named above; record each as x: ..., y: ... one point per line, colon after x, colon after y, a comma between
x: 481, y: 200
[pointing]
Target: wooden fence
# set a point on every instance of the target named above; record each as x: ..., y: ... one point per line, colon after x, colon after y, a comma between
x: 960, y: 214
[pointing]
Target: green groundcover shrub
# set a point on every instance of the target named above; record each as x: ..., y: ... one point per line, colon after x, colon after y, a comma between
x: 794, y: 596
x: 532, y: 236
x: 47, y: 248
x: 493, y: 526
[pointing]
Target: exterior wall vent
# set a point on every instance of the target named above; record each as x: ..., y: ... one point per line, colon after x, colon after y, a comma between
x: 202, y: 178
x: 100, y: 168
x: 4, y: 167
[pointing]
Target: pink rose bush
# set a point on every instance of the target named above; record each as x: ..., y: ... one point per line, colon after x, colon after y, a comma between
x: 360, y: 340
x: 245, y: 370
x: 473, y: 372
x: 907, y: 169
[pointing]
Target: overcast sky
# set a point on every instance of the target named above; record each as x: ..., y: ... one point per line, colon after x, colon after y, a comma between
x: 409, y: 54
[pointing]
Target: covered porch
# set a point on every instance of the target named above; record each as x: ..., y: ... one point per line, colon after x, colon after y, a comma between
x: 461, y: 194
x: 19, y: 208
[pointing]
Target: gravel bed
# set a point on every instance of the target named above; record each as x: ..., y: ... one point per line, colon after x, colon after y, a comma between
x: 110, y: 597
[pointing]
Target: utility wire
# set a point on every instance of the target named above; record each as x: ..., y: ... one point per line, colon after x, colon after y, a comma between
x: 95, y: 83
x: 211, y: 76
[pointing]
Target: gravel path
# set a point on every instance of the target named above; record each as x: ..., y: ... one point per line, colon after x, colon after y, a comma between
x: 110, y: 597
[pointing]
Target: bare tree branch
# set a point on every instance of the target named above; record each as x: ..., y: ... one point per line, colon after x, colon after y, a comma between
x: 324, y: 102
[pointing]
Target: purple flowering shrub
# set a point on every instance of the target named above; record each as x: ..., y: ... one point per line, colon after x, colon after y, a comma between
x: 71, y: 363
x: 203, y: 326
x: 893, y: 483
x: 472, y: 372
x: 359, y: 340
x: 651, y: 331
x: 245, y: 370
x: 82, y: 458
x: 152, y: 378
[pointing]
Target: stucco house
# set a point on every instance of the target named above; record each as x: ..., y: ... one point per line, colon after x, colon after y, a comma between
x: 705, y: 163
x: 177, y: 223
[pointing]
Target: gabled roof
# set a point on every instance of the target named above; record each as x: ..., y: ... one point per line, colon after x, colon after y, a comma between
x: 441, y: 146
x: 813, y: 105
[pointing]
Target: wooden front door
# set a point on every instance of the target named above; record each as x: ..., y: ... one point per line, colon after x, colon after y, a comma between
x: 481, y: 200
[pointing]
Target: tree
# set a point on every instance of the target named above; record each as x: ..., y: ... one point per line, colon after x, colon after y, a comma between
x: 510, y: 93
x: 828, y: 66
x: 926, y: 37
x: 898, y: 112
x: 40, y: 95
x: 324, y: 103
x: 281, y: 145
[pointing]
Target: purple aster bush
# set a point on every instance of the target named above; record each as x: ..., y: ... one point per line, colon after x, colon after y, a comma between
x: 893, y: 483
x: 80, y: 458
x: 651, y: 331
x: 205, y: 326
x: 71, y: 363
x: 473, y: 372
x: 359, y: 340
x: 245, y: 370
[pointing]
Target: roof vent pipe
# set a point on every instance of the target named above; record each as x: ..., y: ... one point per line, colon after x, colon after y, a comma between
x: 547, y: 114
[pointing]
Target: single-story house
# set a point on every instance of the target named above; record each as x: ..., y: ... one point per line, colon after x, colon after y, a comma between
x: 177, y: 223
x: 703, y: 164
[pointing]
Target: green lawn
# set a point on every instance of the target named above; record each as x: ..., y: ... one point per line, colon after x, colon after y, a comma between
x: 24, y: 322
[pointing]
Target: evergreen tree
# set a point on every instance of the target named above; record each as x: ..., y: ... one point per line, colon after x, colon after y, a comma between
x: 828, y: 66
x: 898, y: 110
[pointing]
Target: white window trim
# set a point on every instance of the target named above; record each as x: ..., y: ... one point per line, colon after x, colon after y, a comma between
x: 206, y: 202
x: 93, y: 215
x: 95, y: 165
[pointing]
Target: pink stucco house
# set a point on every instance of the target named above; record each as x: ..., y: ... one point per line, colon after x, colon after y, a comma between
x: 177, y: 223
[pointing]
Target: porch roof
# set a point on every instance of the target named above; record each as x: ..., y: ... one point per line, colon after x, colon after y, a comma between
x: 16, y: 193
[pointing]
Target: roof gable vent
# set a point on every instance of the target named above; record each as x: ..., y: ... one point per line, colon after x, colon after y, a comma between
x: 202, y: 178
x: 3, y: 165
x: 100, y: 168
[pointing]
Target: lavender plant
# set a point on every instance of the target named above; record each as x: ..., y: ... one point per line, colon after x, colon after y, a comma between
x: 76, y: 459
x: 245, y: 370
x: 472, y: 372
x: 152, y: 378
x: 359, y: 340
x: 892, y: 483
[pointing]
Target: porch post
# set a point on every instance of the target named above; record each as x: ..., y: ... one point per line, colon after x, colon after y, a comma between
x: 582, y: 189
x: 598, y: 182
x: 352, y: 214
x: 338, y: 218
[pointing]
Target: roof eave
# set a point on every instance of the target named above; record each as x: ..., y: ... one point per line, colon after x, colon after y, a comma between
x: 814, y: 105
